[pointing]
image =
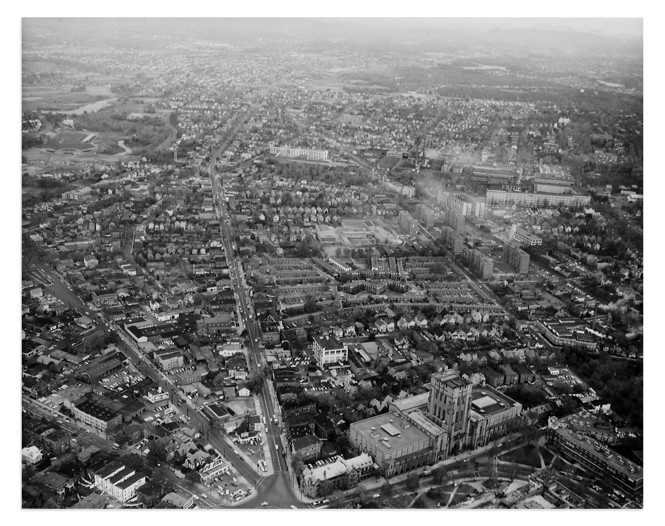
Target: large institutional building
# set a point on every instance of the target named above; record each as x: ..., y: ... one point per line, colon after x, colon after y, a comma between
x: 310, y: 155
x: 426, y: 428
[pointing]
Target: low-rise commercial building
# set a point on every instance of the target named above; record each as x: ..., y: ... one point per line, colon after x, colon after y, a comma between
x: 329, y: 350
x: 96, y: 416
x: 341, y: 473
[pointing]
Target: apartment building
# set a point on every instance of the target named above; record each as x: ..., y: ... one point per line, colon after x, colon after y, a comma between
x: 119, y: 481
x: 408, y: 223
x: 539, y: 200
x: 479, y: 263
x: 310, y: 155
x: 517, y: 258
x: 571, y: 332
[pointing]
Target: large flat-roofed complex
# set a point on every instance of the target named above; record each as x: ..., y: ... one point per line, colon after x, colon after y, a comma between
x: 621, y: 473
x: 394, y: 442
x: 572, y: 332
x: 501, y: 197
x: 553, y: 175
x: 496, y: 172
x: 310, y: 155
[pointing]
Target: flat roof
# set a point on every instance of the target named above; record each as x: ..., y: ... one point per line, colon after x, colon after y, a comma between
x: 329, y: 343
x: 372, y: 430
x: 421, y: 419
x: 600, y: 451
x: 487, y: 401
x: 411, y: 402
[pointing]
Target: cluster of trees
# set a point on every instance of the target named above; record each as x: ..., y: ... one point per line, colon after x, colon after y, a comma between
x: 620, y: 382
x: 526, y: 395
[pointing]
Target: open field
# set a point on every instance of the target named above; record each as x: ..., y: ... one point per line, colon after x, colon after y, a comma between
x: 50, y: 98
x: 68, y: 140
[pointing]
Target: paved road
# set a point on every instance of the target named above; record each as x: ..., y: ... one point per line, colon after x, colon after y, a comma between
x: 275, y: 489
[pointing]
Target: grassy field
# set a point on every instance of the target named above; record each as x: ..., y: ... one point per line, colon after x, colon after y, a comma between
x: 463, y: 492
x: 68, y: 140
x: 49, y: 98
x: 527, y: 455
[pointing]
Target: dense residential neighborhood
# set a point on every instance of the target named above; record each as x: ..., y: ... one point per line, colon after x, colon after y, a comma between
x: 277, y: 283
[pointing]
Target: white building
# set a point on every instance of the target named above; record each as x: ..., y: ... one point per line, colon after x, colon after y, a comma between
x: 329, y: 350
x: 31, y: 455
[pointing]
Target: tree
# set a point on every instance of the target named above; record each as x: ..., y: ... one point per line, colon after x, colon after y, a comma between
x: 343, y: 444
x: 310, y: 305
x: 439, y: 474
x: 132, y: 461
x: 412, y: 481
x: 326, y: 488
x: 193, y: 476
x: 255, y: 383
x: 387, y: 489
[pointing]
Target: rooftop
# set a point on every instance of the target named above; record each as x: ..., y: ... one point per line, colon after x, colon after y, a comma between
x: 381, y: 430
x: 616, y: 461
x: 329, y: 343
x: 487, y: 401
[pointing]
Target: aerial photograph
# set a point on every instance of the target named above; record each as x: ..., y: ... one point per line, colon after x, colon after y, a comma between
x: 331, y: 263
